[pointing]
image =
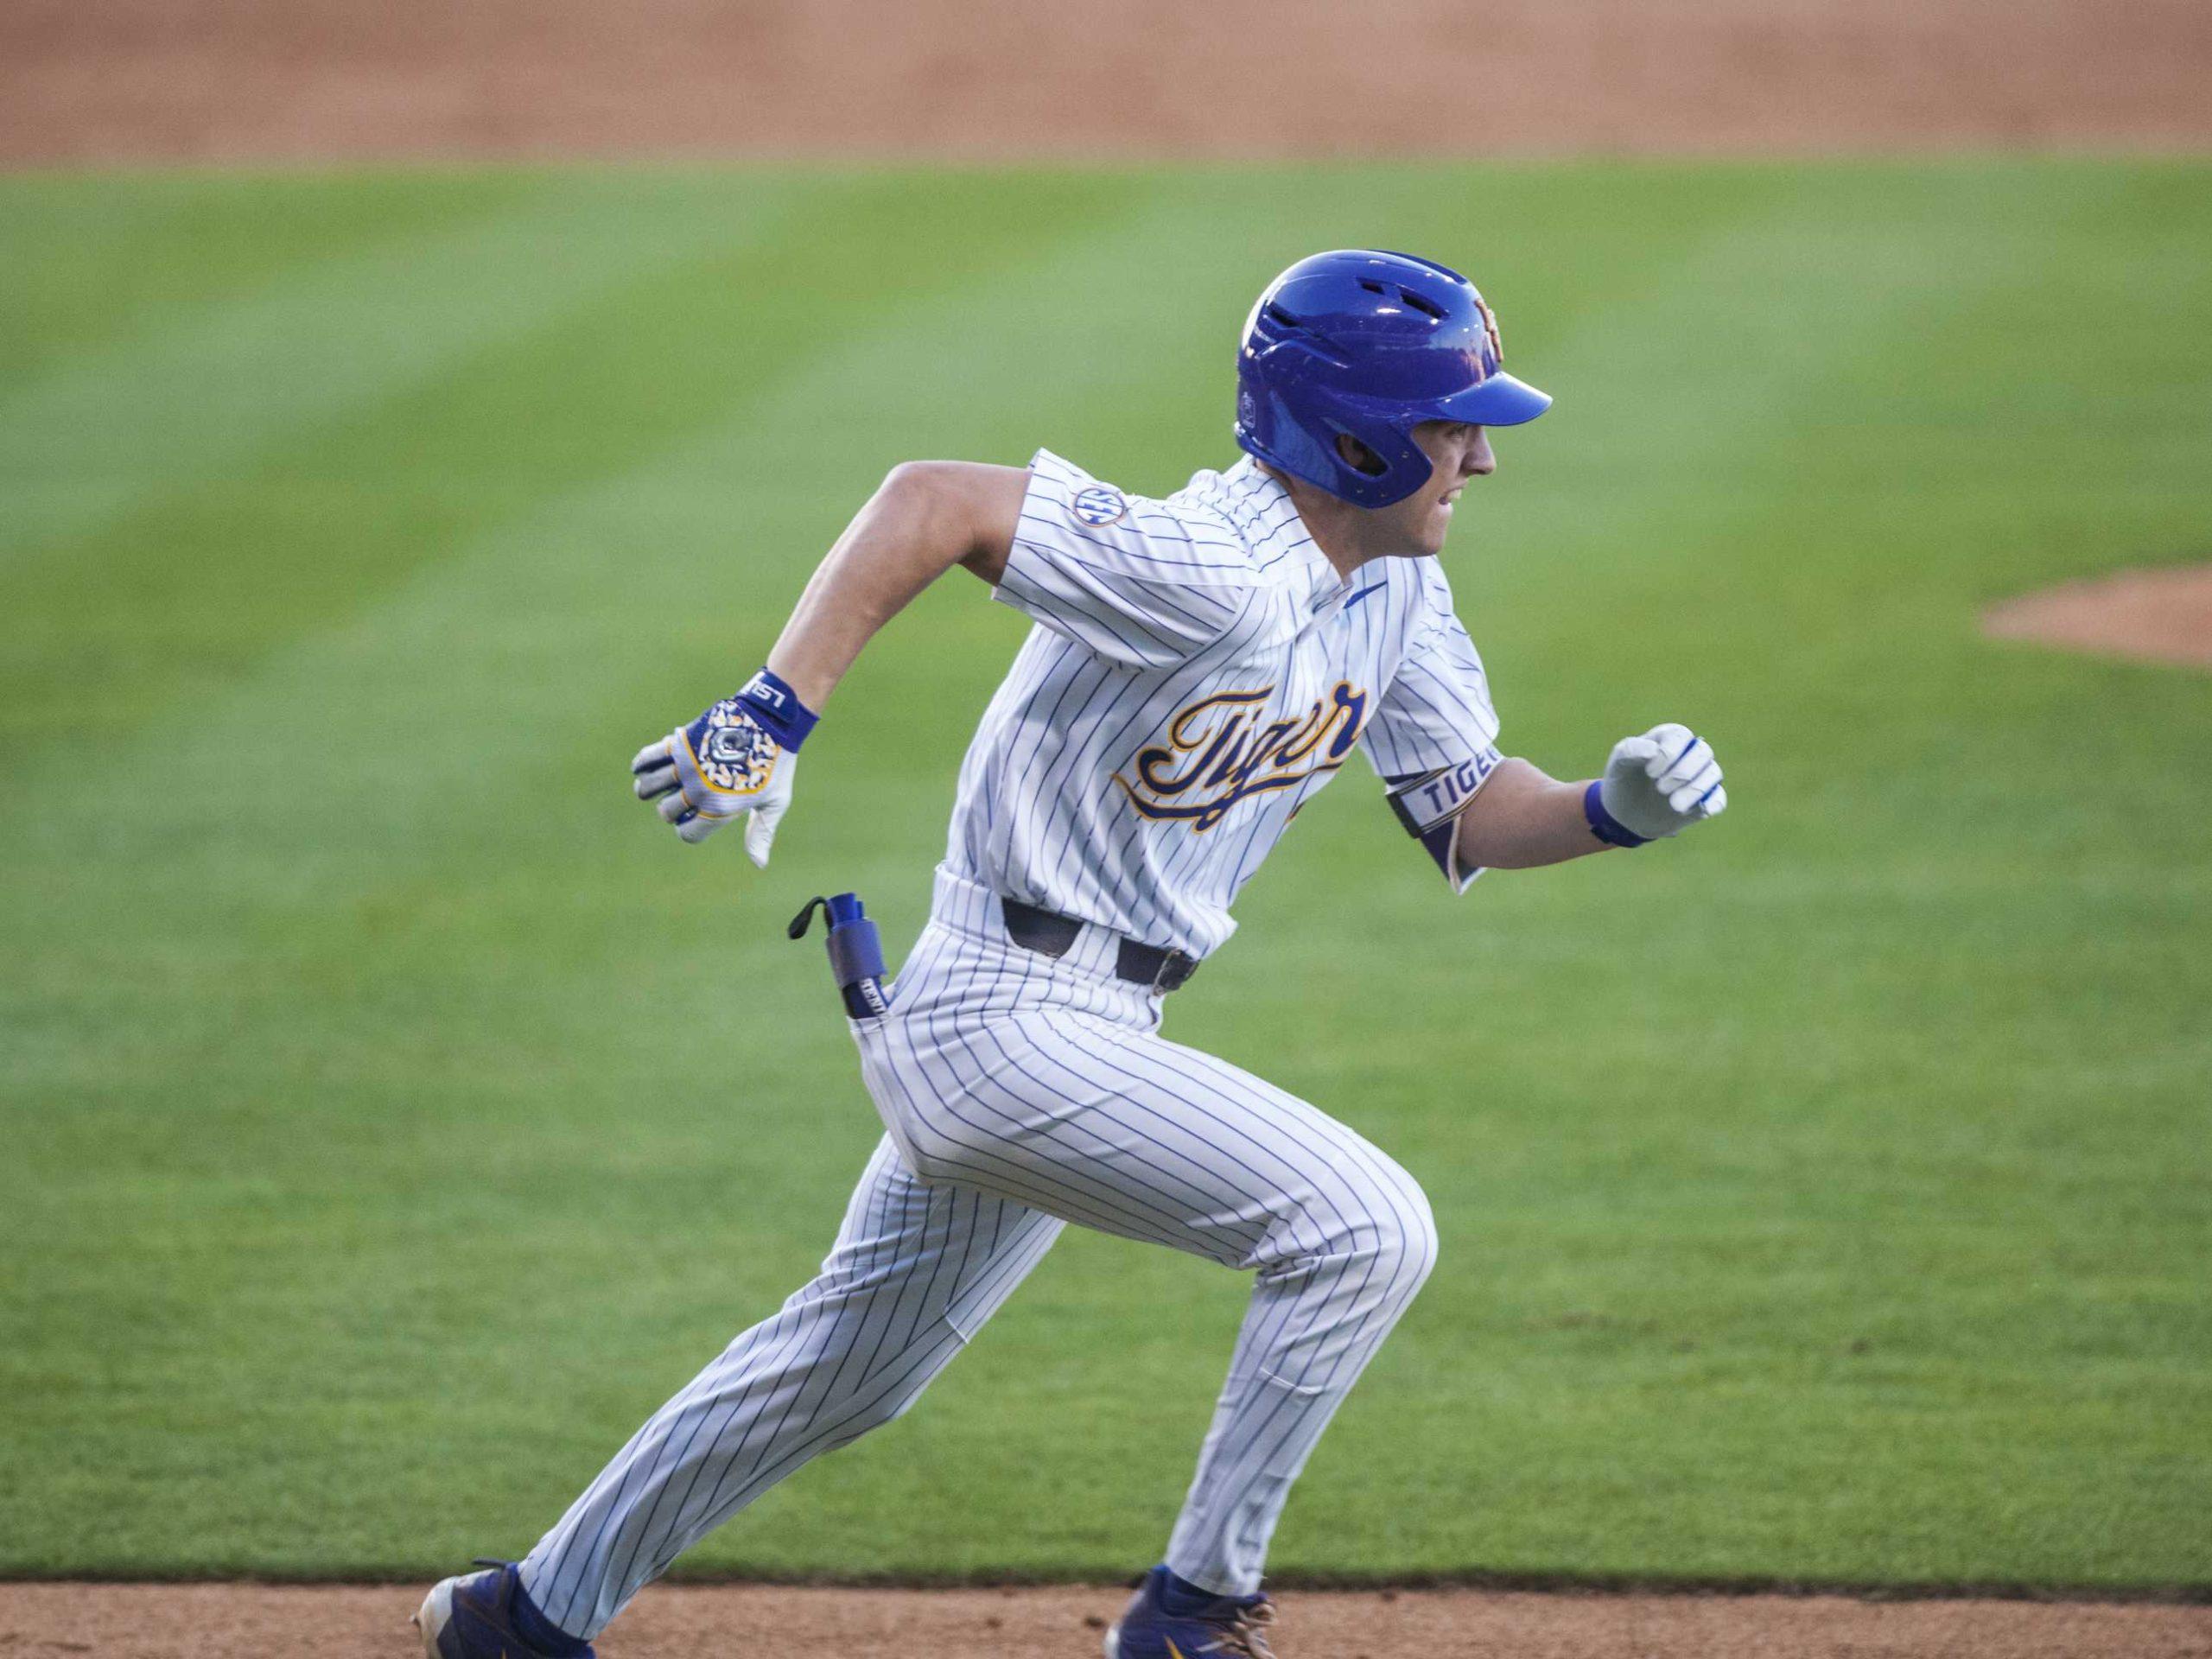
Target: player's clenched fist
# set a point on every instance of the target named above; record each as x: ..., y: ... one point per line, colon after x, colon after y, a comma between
x: 735, y: 759
x: 1655, y: 785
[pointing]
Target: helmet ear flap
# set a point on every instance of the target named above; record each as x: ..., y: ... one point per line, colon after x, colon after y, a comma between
x: 1355, y: 454
x: 1396, y: 467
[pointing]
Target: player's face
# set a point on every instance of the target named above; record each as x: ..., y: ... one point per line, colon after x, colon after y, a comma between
x: 1461, y: 453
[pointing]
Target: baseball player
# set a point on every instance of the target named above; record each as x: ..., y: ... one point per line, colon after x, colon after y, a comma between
x: 1198, y: 666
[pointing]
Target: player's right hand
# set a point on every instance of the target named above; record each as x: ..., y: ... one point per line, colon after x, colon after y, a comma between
x: 735, y: 759
x: 1660, y: 783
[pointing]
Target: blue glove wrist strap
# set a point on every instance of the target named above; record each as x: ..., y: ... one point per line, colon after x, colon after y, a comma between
x: 1603, y: 824
x: 777, y: 708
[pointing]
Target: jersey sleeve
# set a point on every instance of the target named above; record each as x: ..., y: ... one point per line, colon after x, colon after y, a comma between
x: 1135, y: 579
x: 1434, y: 737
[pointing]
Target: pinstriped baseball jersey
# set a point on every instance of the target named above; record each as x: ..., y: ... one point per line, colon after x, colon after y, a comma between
x: 1199, y: 670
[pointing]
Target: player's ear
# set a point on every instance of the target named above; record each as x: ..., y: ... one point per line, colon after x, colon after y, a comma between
x: 1358, y: 456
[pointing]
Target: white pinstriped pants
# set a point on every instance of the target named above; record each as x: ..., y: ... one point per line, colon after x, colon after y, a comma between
x: 1022, y: 1093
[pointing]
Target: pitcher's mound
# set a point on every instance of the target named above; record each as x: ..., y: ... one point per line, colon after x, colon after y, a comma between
x: 2157, y: 616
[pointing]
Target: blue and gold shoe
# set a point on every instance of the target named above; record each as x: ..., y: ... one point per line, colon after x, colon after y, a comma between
x: 1166, y: 1622
x: 486, y: 1616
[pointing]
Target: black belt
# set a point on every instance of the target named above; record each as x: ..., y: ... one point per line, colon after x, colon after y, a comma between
x: 1049, y: 934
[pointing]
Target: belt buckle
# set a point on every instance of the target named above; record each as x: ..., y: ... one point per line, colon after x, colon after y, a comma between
x: 1175, y: 971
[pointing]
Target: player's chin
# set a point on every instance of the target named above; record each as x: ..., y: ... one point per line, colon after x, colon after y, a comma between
x: 1434, y: 529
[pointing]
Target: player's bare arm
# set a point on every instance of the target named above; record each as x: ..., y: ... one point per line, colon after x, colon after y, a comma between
x: 926, y: 516
x: 737, y: 759
x: 1522, y: 819
x: 1654, y: 785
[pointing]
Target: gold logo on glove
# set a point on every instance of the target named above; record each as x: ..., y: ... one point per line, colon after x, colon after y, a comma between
x: 734, y: 755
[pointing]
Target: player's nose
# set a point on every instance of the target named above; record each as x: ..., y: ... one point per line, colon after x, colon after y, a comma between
x: 1480, y: 460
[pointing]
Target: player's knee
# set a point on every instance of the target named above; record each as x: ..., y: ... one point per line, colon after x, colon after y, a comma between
x: 1405, y: 1237
x: 1420, y: 1245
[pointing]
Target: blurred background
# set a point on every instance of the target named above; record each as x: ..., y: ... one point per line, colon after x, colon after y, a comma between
x: 406, y: 411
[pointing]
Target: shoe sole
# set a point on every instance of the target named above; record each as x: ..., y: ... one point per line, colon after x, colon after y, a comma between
x: 431, y: 1619
x: 1112, y: 1642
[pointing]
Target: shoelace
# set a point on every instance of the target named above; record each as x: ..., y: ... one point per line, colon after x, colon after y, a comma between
x: 1245, y: 1635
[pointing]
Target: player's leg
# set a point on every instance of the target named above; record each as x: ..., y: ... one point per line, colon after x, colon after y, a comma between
x: 1351, y: 1245
x: 915, y: 1273
x: 1091, y: 1120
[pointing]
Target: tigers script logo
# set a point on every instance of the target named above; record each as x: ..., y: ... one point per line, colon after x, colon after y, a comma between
x: 1222, y: 749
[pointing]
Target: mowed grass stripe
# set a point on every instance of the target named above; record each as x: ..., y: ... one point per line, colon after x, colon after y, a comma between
x: 88, y: 441
x: 223, y: 569
x: 86, y: 271
x: 385, y: 728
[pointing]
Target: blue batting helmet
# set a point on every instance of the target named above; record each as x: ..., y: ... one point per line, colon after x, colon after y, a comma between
x: 1371, y: 344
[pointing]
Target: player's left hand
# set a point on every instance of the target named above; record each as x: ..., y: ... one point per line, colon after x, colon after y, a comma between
x: 1659, y: 784
x: 735, y: 759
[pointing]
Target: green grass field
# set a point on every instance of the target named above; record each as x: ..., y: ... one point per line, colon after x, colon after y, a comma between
x: 1826, y: 1196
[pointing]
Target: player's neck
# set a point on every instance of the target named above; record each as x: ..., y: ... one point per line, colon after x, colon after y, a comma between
x: 1346, y: 557
x: 1337, y: 528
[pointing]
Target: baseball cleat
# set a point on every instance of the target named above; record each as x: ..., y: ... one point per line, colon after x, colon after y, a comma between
x: 473, y: 1617
x: 1231, y: 1626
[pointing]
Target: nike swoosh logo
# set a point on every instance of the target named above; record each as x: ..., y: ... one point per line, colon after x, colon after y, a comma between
x: 1362, y: 594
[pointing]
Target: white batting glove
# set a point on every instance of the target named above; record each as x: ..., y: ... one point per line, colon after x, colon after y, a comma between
x: 734, y: 761
x: 1654, y: 785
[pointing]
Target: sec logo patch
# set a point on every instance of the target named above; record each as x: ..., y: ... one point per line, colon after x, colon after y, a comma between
x: 1099, y: 505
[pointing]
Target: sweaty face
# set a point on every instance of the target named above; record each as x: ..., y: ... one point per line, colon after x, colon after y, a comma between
x: 1417, y: 525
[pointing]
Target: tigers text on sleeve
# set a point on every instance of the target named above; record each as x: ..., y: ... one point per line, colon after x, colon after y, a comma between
x: 1434, y: 738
